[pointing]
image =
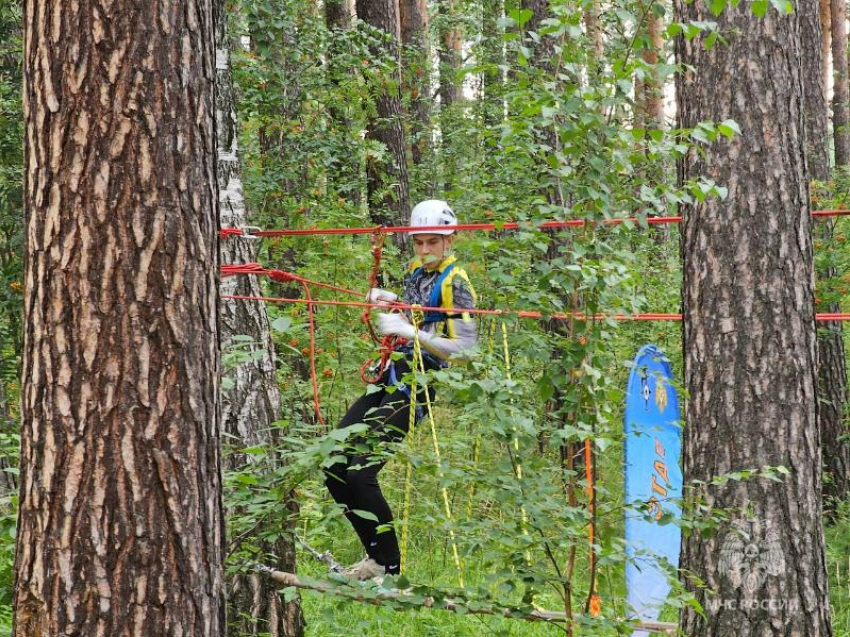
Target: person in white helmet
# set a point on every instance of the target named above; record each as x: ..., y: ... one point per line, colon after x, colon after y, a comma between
x: 434, y: 280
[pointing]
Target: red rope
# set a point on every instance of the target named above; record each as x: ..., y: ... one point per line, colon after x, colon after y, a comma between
x: 578, y: 316
x: 313, y: 379
x: 377, y: 252
x: 281, y: 276
x: 286, y: 277
x: 510, y: 225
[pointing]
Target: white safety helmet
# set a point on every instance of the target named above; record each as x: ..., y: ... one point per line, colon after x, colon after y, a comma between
x: 432, y: 212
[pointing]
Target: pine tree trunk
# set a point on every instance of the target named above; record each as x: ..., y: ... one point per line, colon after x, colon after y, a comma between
x: 826, y: 42
x: 593, y: 30
x: 841, y: 87
x: 649, y: 91
x: 749, y: 334
x: 653, y: 89
x: 252, y: 402
x: 543, y: 49
x: 450, y: 54
x: 386, y: 182
x: 339, y: 14
x: 832, y: 362
x: 120, y: 528
x: 417, y: 73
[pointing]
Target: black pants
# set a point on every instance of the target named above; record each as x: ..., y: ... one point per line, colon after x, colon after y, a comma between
x: 353, y: 483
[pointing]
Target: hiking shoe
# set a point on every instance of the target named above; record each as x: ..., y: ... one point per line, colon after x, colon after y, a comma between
x: 364, y: 569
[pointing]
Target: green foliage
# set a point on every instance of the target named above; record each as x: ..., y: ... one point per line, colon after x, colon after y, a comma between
x: 558, y: 149
x: 838, y: 566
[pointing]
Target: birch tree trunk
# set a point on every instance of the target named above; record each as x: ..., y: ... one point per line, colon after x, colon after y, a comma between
x: 832, y: 362
x: 749, y: 334
x: 417, y: 73
x: 387, y: 182
x: 251, y: 403
x: 120, y: 526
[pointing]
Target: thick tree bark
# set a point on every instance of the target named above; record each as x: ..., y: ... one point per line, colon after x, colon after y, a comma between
x: 841, y: 87
x: 417, y: 73
x: 387, y: 182
x: 749, y: 334
x: 252, y: 402
x: 832, y: 362
x: 120, y: 527
x: 339, y: 14
x: 450, y: 54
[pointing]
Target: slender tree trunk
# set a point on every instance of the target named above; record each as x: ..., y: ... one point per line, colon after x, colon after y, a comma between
x: 653, y: 98
x: 832, y: 362
x: 543, y: 49
x: 841, y: 88
x: 450, y: 54
x: 417, y: 73
x: 593, y: 30
x: 8, y: 483
x: 387, y: 182
x: 120, y: 526
x: 649, y: 91
x: 493, y: 57
x: 252, y: 402
x: 339, y: 14
x: 826, y: 42
x: 345, y: 174
x: 749, y: 335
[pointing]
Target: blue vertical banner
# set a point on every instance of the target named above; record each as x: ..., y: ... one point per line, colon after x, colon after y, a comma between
x: 653, y: 483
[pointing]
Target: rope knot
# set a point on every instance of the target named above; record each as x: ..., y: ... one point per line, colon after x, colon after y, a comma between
x: 281, y: 276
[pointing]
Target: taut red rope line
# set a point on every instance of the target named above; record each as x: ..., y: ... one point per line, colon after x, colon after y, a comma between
x: 508, y: 225
x: 822, y: 316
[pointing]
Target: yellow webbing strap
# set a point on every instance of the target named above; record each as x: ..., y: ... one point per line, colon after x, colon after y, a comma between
x: 408, y: 472
x: 507, y: 354
x: 419, y: 364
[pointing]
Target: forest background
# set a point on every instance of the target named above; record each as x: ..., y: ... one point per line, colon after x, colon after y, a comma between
x: 512, y: 112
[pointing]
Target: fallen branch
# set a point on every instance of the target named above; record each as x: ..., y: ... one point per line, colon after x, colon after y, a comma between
x: 377, y: 596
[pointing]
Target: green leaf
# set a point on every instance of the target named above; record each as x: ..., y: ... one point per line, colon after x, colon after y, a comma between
x: 729, y: 128
x: 759, y: 8
x: 783, y: 6
x: 717, y: 6
x: 366, y: 515
x: 281, y: 324
x: 521, y: 16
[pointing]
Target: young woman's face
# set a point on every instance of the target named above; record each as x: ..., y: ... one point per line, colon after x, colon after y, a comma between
x: 431, y: 248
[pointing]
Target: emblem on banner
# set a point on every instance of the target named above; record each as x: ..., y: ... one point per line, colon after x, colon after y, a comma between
x: 661, y: 394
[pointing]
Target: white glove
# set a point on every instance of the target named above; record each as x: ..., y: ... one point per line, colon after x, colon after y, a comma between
x: 381, y: 297
x: 395, y: 325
